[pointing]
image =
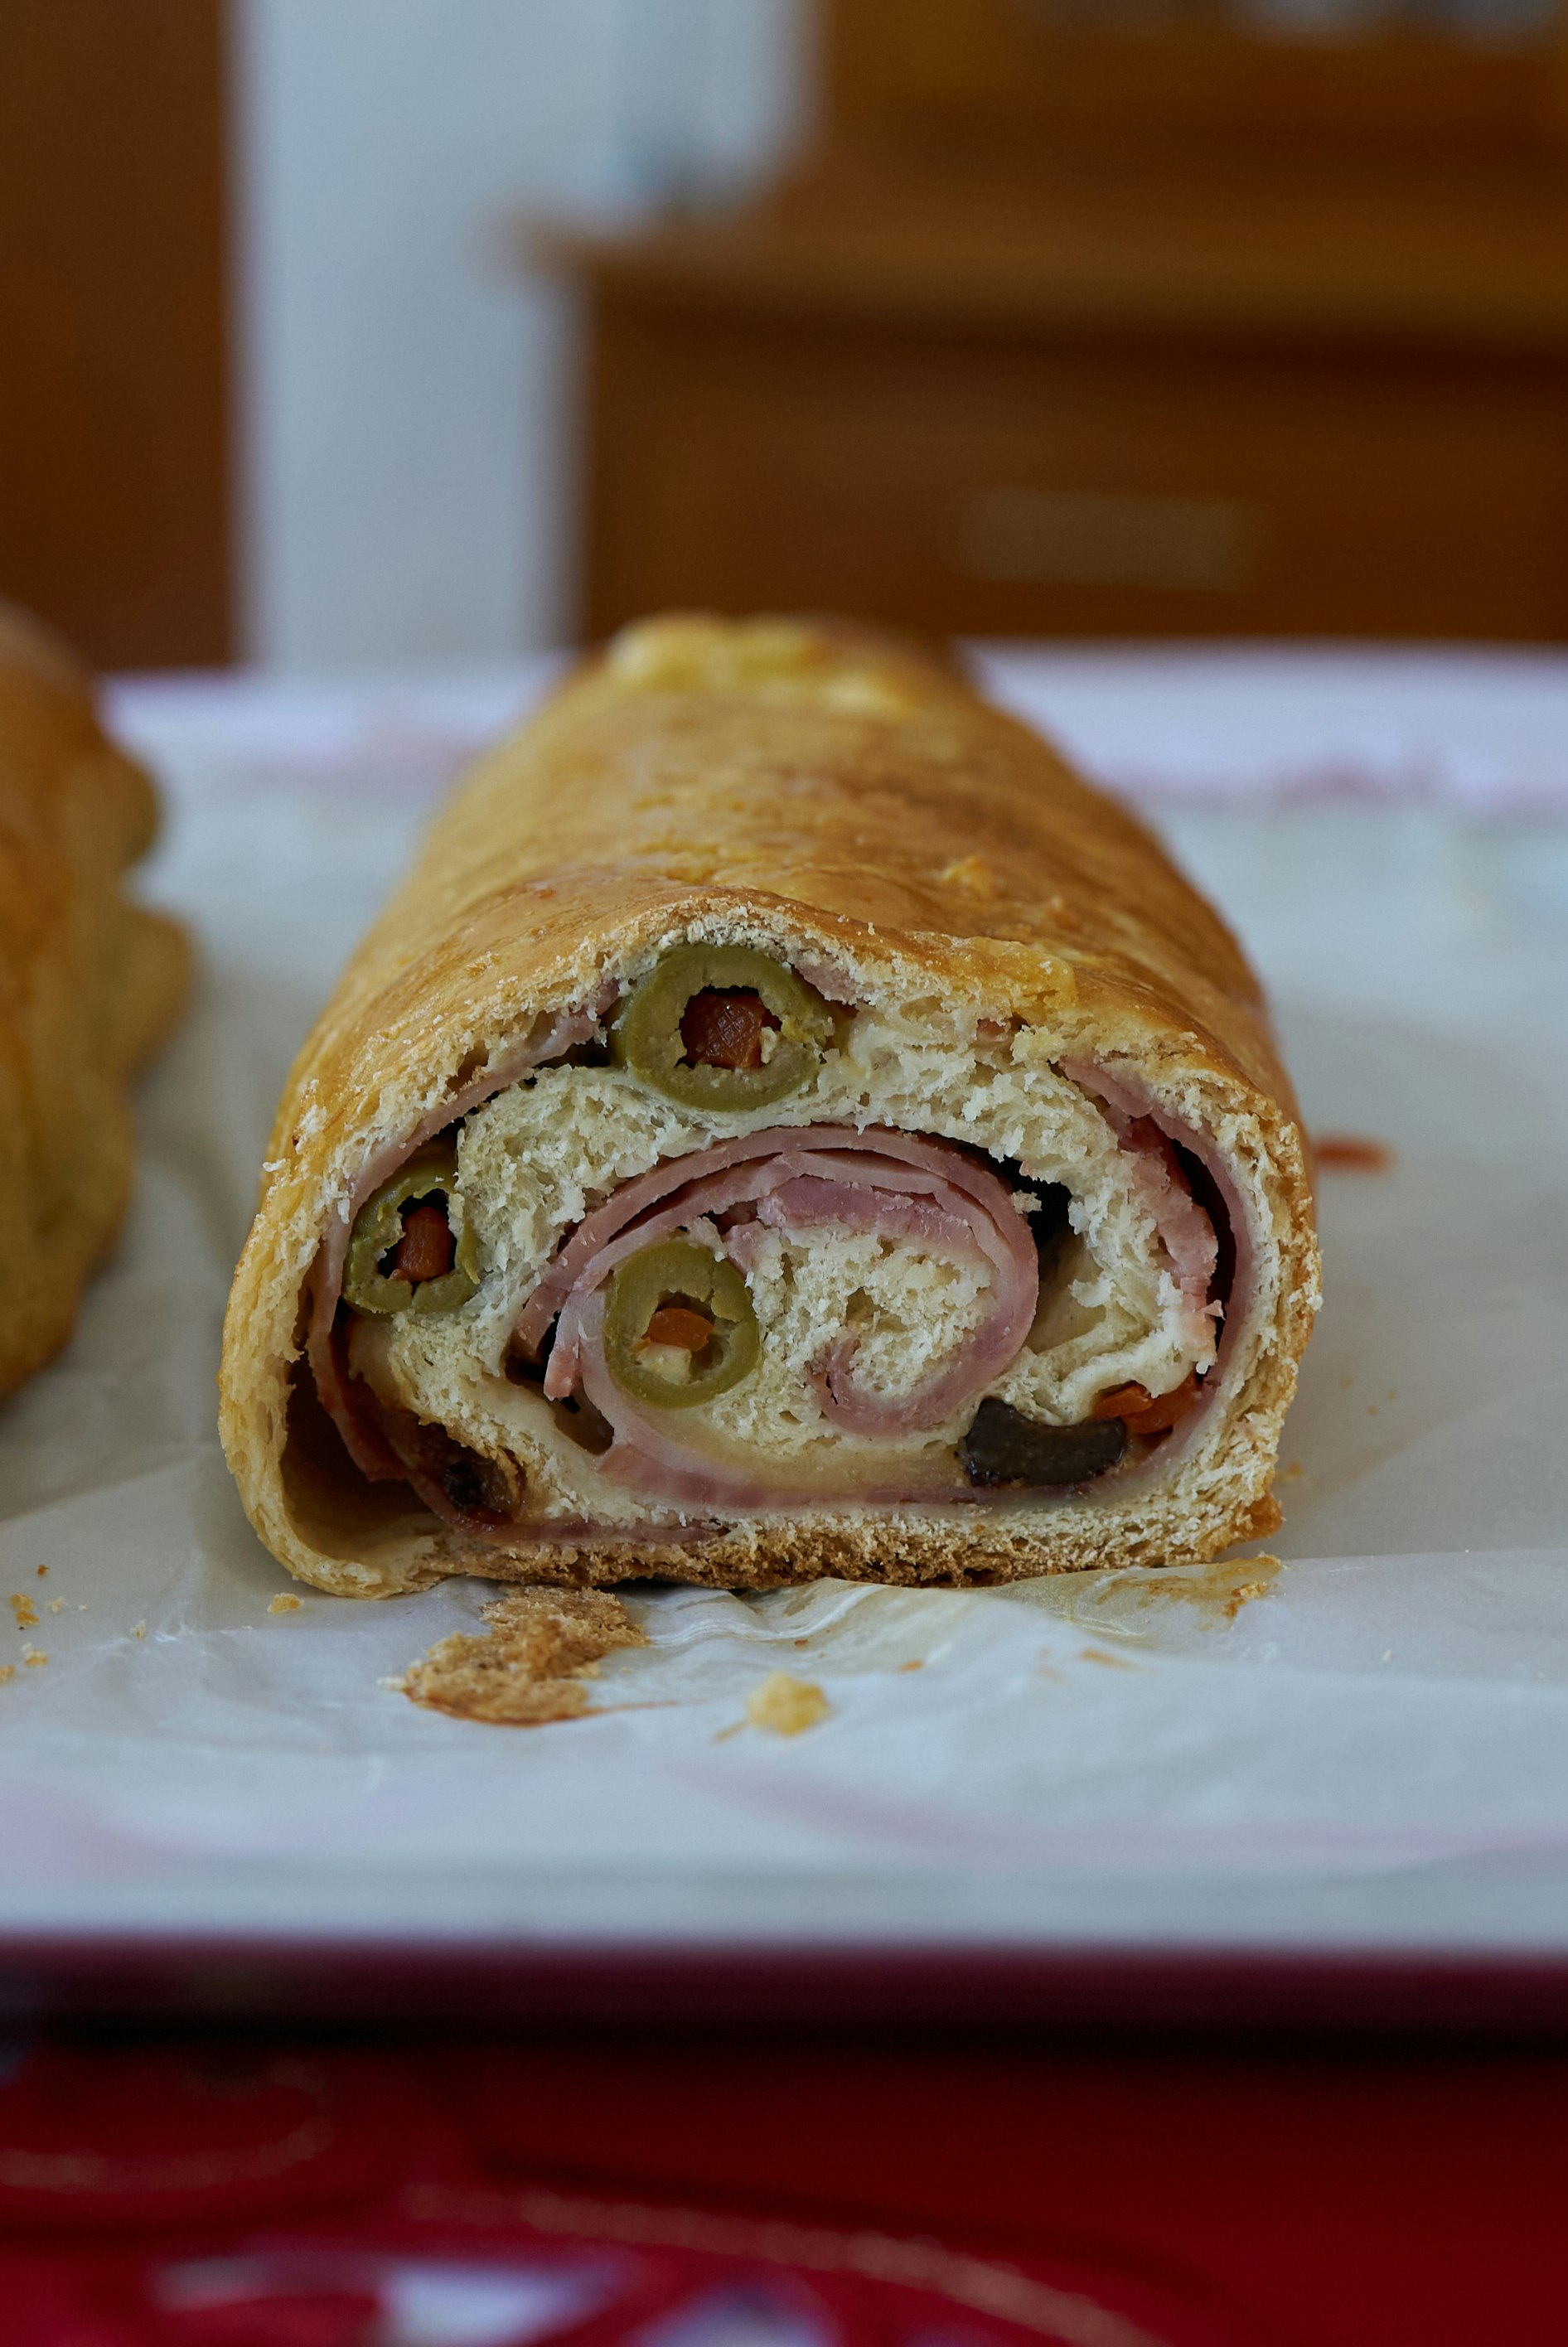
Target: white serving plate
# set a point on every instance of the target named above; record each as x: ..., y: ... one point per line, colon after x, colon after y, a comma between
x: 1368, y: 1761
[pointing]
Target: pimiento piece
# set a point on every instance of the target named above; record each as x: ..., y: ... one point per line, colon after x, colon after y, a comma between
x: 1167, y: 1410
x: 1122, y: 1401
x: 727, y: 1031
x: 690, y: 1005
x: 393, y: 1256
x: 1145, y: 1413
x: 1003, y: 1447
x: 678, y: 1325
x: 426, y: 1250
x: 658, y: 1301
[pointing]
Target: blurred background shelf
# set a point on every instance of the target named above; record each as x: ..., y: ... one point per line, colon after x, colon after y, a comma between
x: 990, y: 74
x: 1121, y: 418
x: 116, y: 515
x: 1002, y: 317
x: 1171, y: 332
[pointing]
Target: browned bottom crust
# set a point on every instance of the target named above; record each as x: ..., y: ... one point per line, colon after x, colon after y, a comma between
x: 771, y: 1555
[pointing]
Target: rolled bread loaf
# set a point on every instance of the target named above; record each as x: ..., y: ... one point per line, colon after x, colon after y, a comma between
x: 785, y: 1124
x: 89, y: 984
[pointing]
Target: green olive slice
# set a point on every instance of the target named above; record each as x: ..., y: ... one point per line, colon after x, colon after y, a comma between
x: 645, y: 1036
x: 430, y: 1174
x: 680, y: 1274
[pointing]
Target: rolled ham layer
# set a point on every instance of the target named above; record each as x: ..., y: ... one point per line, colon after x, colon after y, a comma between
x: 904, y: 1187
x: 1207, y: 1243
x: 383, y: 1452
x: 909, y: 1188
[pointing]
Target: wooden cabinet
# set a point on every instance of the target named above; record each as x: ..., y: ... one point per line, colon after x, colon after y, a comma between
x: 1114, y: 388
x: 115, y: 326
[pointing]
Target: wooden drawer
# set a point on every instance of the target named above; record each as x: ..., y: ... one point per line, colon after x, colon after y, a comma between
x: 979, y: 483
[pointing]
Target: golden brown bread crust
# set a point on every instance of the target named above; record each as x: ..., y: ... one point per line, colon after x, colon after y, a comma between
x: 844, y: 802
x: 89, y: 984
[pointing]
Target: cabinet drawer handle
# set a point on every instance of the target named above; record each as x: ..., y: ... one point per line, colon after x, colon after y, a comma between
x: 1071, y: 537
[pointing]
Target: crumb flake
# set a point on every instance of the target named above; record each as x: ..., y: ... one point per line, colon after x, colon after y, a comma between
x: 140, y: 1631
x: 25, y: 1610
x: 530, y: 1670
x: 1243, y: 1594
x: 784, y: 1706
x: 284, y: 1603
x: 1352, y: 1152
x: 7, y: 1671
x: 34, y: 1657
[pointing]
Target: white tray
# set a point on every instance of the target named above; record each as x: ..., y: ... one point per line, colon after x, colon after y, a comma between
x: 1371, y: 1757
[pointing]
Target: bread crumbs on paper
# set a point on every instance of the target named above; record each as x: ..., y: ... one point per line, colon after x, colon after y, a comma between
x: 784, y: 1706
x: 34, y: 1657
x: 25, y: 1610
x: 7, y: 1671
x: 543, y: 1644
x: 140, y: 1631
x: 284, y: 1603
x: 1112, y: 1662
x: 1243, y: 1594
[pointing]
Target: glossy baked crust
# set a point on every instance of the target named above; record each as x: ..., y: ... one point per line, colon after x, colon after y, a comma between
x: 841, y: 801
x: 89, y: 984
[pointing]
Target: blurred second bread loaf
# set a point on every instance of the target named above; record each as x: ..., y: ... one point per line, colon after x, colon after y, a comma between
x: 90, y: 983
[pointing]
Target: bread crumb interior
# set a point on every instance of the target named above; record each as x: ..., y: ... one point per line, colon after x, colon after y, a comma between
x: 540, y: 1155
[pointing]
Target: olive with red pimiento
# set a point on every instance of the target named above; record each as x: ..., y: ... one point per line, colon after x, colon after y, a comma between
x: 722, y: 1027
x: 679, y: 1327
x: 371, y: 1281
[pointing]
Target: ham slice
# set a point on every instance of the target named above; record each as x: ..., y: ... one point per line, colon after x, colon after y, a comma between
x: 350, y: 1404
x: 1185, y: 1231
x: 1192, y: 1238
x: 1226, y: 1292
x: 904, y: 1187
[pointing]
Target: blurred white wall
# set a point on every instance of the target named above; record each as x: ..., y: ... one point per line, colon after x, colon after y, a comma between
x: 407, y: 397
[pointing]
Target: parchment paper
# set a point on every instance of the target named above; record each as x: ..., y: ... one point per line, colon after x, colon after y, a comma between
x: 1372, y: 1752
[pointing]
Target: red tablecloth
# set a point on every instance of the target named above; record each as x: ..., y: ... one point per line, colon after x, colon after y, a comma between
x: 736, y: 2194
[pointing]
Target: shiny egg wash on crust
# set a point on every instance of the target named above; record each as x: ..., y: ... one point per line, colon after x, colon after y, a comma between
x: 758, y: 1236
